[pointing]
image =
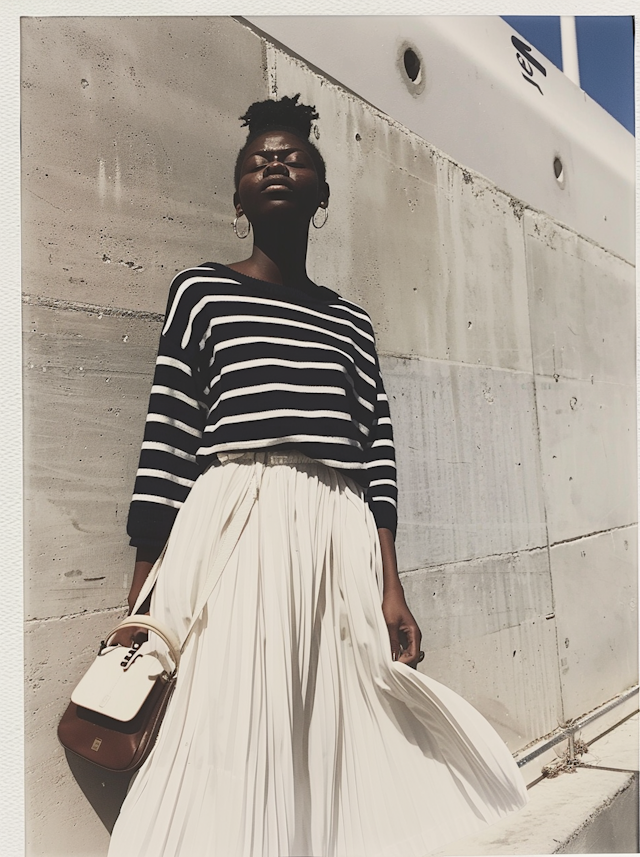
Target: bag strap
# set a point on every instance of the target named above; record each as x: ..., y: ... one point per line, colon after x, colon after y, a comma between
x: 227, y: 544
x: 223, y: 555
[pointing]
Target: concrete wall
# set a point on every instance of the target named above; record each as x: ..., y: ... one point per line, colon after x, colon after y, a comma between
x: 507, y: 348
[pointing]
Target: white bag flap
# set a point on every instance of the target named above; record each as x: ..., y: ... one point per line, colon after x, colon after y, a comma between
x: 110, y: 689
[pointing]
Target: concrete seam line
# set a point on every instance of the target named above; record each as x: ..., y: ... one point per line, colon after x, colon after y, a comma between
x: 457, y: 363
x: 563, y: 226
x: 595, y: 533
x: 87, y: 613
x: 557, y: 377
x: 486, y: 557
x: 76, y: 306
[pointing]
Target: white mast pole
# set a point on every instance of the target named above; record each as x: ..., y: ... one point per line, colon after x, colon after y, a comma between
x: 569, y: 43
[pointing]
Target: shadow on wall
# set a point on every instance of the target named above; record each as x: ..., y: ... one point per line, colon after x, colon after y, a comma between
x: 105, y: 790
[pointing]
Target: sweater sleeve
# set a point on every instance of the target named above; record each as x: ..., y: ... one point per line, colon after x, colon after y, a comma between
x: 175, y: 421
x: 382, y: 493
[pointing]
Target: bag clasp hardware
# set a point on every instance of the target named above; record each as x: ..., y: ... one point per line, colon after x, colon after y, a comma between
x: 131, y: 657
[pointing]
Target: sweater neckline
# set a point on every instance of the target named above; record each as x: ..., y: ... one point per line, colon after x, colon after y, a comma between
x: 321, y: 294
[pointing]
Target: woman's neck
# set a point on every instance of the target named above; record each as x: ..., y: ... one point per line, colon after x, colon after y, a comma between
x: 282, y: 261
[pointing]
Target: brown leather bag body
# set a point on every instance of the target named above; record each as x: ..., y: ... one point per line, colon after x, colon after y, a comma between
x: 110, y: 743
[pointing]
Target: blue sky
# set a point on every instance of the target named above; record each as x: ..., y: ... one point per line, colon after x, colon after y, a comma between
x: 605, y: 56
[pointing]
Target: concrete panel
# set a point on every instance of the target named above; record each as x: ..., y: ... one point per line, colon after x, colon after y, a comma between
x: 582, y: 305
x: 63, y: 815
x: 595, y: 587
x: 468, y: 466
x: 435, y: 254
x: 489, y: 633
x: 87, y: 378
x: 130, y: 132
x: 588, y: 451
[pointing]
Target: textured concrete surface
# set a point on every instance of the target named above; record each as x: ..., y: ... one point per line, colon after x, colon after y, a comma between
x: 129, y: 128
x: 514, y: 423
x: 593, y: 810
x: 489, y: 633
x: 59, y: 817
x: 434, y: 253
x: 582, y: 305
x: 588, y: 452
x: 595, y: 586
x: 612, y: 829
x: 582, y: 308
x: 86, y: 384
x: 468, y: 462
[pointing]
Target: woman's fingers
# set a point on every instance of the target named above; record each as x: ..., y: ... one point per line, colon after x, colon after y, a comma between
x: 128, y: 636
x: 404, y: 633
x: 394, y: 640
x: 411, y: 648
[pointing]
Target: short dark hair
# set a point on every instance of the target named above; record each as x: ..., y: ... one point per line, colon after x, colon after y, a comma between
x: 284, y: 114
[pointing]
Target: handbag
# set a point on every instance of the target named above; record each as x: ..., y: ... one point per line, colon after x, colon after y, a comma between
x: 117, y: 708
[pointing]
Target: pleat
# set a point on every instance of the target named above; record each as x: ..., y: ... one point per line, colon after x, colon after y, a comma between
x: 291, y: 732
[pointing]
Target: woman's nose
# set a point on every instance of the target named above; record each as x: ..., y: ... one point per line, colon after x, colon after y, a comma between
x: 276, y: 168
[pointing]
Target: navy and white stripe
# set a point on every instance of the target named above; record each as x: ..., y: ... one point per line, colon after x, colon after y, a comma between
x: 244, y: 364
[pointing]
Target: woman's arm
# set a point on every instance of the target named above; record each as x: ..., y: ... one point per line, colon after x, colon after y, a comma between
x: 404, y: 634
x: 168, y: 466
x: 382, y: 493
x: 145, y: 560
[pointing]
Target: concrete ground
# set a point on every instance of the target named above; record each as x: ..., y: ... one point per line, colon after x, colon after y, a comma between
x: 592, y: 810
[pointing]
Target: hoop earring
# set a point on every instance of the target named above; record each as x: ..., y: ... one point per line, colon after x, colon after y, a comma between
x: 326, y: 217
x: 235, y: 227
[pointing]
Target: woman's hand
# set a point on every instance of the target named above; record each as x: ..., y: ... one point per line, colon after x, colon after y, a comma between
x: 404, y: 634
x: 128, y: 636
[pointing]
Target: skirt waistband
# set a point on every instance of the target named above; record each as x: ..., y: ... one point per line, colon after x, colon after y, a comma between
x: 266, y: 457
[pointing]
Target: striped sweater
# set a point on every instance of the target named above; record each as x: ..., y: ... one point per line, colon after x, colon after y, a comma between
x: 246, y: 364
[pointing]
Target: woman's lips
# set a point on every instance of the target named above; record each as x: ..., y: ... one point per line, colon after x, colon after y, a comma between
x: 277, y: 183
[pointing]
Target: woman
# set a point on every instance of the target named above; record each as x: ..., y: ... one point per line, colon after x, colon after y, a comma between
x: 291, y: 732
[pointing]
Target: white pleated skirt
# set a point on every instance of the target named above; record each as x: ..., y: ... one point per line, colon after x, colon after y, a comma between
x: 291, y: 732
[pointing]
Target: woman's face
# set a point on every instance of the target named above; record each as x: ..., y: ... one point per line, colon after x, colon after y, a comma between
x: 278, y: 178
